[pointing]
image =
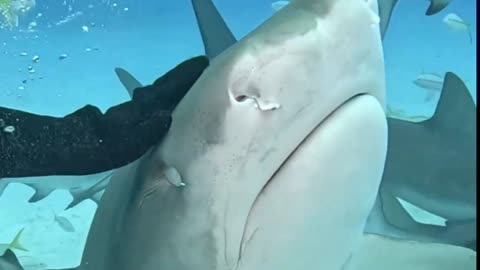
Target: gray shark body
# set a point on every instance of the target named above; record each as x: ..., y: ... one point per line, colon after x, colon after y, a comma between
x: 80, y: 187
x: 432, y: 164
x: 450, y: 146
x: 284, y: 96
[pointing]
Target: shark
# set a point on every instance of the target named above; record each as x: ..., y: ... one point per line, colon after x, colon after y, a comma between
x: 421, y: 237
x: 386, y: 8
x: 9, y: 261
x: 389, y: 217
x: 80, y: 187
x: 288, y: 112
x: 432, y: 164
x: 115, y: 210
x: 380, y: 252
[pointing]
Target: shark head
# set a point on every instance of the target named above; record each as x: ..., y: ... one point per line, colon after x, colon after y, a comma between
x: 281, y: 142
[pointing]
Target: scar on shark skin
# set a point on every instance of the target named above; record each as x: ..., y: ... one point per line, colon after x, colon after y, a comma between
x: 170, y: 174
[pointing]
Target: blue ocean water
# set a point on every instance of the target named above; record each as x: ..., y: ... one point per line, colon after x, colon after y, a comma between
x: 150, y: 37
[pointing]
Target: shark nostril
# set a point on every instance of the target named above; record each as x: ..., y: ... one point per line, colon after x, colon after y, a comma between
x: 241, y: 98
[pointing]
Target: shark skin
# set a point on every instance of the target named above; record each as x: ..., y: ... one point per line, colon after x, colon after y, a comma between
x: 77, y: 186
x: 396, y: 221
x: 380, y: 252
x: 405, y: 226
x: 234, y: 142
x: 386, y: 7
x: 440, y: 154
x: 9, y: 261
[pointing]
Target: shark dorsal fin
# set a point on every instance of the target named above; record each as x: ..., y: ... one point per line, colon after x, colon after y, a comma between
x: 455, y: 106
x: 436, y: 6
x: 127, y: 79
x: 215, y: 33
x: 10, y: 258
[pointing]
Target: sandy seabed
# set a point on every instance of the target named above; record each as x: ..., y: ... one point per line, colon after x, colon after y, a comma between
x: 49, y: 246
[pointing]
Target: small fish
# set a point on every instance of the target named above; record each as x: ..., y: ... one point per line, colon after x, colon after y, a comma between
x: 15, y: 244
x: 455, y: 23
x: 279, y: 5
x: 431, y: 82
x: 63, y: 222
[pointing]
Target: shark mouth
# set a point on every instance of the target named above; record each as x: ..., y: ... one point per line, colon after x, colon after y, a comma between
x: 288, y: 159
x: 304, y: 141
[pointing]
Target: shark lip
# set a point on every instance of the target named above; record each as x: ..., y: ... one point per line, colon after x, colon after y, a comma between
x: 319, y: 125
x: 288, y: 158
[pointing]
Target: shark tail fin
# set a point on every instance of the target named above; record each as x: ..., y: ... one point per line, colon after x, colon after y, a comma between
x: 436, y: 6
x: 128, y: 80
x: 455, y: 105
x: 11, y: 258
x: 215, y: 33
x: 15, y: 244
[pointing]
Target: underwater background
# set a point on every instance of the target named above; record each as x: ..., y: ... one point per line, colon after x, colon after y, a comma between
x: 79, y: 43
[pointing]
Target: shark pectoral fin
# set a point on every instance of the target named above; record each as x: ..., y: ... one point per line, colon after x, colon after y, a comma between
x: 94, y: 192
x: 436, y: 6
x: 128, y: 80
x: 81, y: 196
x: 394, y: 212
x: 11, y: 259
x: 455, y: 106
x: 215, y: 33
x: 97, y: 197
x: 77, y: 199
x: 40, y: 192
